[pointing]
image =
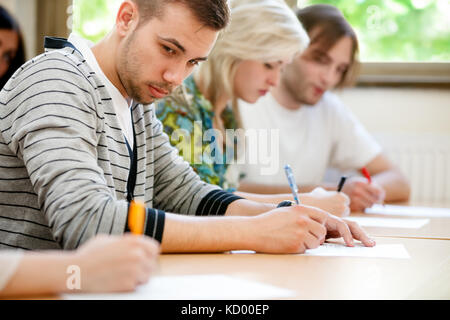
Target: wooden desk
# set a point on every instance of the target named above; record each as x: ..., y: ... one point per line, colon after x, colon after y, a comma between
x: 314, y: 277
x: 425, y: 276
x: 436, y: 228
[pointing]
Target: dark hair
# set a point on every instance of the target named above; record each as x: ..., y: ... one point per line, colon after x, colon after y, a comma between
x: 329, y: 25
x: 214, y: 14
x: 7, y: 22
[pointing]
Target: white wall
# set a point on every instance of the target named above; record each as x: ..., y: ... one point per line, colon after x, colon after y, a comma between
x: 8, y: 4
x: 400, y: 110
x: 413, y: 127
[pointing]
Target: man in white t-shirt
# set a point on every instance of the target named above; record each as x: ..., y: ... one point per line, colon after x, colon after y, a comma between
x: 316, y: 131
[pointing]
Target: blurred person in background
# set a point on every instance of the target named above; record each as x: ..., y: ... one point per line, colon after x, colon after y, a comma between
x: 316, y: 129
x: 12, y: 49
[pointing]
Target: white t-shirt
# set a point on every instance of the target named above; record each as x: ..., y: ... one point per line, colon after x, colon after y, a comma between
x: 121, y: 105
x: 311, y: 139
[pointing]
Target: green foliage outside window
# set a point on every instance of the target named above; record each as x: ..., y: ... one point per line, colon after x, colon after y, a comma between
x: 93, y: 19
x: 388, y: 30
x: 398, y: 30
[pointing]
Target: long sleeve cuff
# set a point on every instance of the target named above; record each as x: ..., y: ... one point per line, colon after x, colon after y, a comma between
x: 216, y: 203
x: 154, y: 224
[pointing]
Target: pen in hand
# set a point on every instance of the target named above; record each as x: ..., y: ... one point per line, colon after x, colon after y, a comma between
x: 291, y: 181
x: 341, y: 183
x: 136, y: 217
x: 366, y: 174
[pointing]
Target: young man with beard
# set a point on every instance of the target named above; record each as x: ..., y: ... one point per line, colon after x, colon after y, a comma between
x: 79, y: 140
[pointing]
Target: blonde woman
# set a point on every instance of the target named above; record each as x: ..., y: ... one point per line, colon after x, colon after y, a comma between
x: 264, y: 35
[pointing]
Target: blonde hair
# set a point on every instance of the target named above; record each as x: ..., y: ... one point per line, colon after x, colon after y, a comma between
x: 261, y: 30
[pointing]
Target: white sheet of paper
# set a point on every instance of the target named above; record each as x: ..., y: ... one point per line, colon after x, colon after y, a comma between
x: 394, y: 210
x: 194, y: 287
x: 396, y: 251
x: 389, y: 222
x: 359, y: 250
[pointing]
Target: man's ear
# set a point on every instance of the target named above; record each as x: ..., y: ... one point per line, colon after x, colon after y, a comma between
x: 127, y: 18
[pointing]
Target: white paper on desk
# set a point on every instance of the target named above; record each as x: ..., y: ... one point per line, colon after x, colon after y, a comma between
x: 389, y: 222
x: 396, y: 251
x: 194, y: 287
x: 394, y: 210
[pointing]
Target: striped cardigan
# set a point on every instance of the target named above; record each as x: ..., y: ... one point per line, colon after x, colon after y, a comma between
x: 64, y: 162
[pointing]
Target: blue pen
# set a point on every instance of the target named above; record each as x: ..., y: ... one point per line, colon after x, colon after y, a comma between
x: 292, y: 184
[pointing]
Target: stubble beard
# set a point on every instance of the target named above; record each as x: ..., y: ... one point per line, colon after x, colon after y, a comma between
x: 129, y: 70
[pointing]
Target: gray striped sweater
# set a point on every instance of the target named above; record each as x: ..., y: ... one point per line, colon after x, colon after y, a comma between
x: 64, y: 162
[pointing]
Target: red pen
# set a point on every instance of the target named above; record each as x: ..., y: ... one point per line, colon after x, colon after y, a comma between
x: 366, y: 174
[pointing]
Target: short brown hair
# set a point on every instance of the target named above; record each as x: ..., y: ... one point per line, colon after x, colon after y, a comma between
x: 330, y: 25
x: 214, y: 14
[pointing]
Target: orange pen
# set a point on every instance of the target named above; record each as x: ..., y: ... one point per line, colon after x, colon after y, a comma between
x: 136, y: 217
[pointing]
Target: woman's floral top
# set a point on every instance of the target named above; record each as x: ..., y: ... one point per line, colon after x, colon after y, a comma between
x: 187, y: 117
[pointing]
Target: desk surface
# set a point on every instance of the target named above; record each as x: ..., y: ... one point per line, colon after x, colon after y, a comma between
x: 436, y: 228
x: 426, y: 275
x: 312, y: 277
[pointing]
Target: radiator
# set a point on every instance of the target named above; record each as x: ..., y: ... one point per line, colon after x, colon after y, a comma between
x: 425, y: 160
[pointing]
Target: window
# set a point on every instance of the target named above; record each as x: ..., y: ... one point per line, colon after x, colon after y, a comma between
x: 398, y: 30
x: 93, y: 19
x: 400, y: 40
